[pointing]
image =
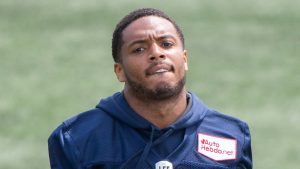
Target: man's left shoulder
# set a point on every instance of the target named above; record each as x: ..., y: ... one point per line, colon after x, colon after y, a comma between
x: 224, y: 121
x: 220, y: 125
x: 224, y: 138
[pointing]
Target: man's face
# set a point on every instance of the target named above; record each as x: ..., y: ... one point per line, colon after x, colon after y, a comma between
x: 153, y: 62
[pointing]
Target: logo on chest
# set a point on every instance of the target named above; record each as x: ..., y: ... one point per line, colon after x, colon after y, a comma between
x: 163, y: 165
x: 217, y: 148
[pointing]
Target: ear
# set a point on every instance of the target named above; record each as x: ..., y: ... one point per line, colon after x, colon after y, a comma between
x: 119, y: 71
x: 185, y: 58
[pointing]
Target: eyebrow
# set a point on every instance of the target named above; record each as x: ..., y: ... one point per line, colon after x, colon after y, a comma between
x: 137, y: 42
x: 144, y: 40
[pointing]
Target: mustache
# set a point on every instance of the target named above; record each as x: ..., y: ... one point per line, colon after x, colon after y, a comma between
x: 160, y: 63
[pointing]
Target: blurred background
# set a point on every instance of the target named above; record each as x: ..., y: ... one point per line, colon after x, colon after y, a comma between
x: 55, y: 62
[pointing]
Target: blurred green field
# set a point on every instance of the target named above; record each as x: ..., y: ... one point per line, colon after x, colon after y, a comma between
x: 55, y: 62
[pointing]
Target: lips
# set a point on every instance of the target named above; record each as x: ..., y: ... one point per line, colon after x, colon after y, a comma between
x: 160, y: 68
x: 161, y: 71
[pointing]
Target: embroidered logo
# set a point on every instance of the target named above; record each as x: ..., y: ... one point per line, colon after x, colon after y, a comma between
x: 217, y: 148
x: 163, y: 165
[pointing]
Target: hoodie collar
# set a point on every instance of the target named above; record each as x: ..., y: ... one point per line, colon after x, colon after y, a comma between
x: 117, y: 107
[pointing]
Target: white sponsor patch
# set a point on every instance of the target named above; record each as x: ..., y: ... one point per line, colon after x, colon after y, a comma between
x: 217, y: 148
x: 163, y: 165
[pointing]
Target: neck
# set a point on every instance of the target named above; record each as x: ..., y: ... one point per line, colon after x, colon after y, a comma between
x: 161, y: 113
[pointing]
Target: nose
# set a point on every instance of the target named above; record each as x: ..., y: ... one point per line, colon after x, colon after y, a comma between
x: 156, y: 53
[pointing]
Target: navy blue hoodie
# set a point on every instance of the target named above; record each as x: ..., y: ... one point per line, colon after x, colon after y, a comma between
x: 113, y: 136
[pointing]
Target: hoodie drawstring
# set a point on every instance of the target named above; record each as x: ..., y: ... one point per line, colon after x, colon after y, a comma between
x: 146, y: 150
x: 150, y: 144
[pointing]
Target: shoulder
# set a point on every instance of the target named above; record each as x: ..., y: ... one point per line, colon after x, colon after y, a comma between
x: 223, y: 125
x: 94, y: 136
x: 84, y: 124
x: 75, y: 139
x: 213, y: 119
x: 227, y: 130
x: 75, y: 133
x: 88, y: 120
x: 224, y: 122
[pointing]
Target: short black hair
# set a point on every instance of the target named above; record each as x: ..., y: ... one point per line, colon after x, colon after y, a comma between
x: 117, y: 41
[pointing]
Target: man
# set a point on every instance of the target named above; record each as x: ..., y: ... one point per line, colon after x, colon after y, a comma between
x: 154, y: 122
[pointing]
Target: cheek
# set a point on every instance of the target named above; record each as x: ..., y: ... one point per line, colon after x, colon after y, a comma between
x: 181, y: 68
x: 133, y: 67
x: 134, y: 71
x: 180, y: 61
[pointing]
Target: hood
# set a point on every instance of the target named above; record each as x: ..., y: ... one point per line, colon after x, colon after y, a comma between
x: 117, y: 107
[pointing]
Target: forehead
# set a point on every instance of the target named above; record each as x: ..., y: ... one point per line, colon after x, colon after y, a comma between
x: 148, y: 25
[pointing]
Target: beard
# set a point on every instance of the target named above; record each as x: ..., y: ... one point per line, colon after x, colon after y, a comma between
x: 162, y: 91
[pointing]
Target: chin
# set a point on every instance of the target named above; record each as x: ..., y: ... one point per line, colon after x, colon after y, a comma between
x: 165, y: 90
x: 157, y: 89
x: 165, y: 84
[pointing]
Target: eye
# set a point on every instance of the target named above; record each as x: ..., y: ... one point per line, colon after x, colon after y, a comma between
x: 138, y: 50
x: 167, y: 44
